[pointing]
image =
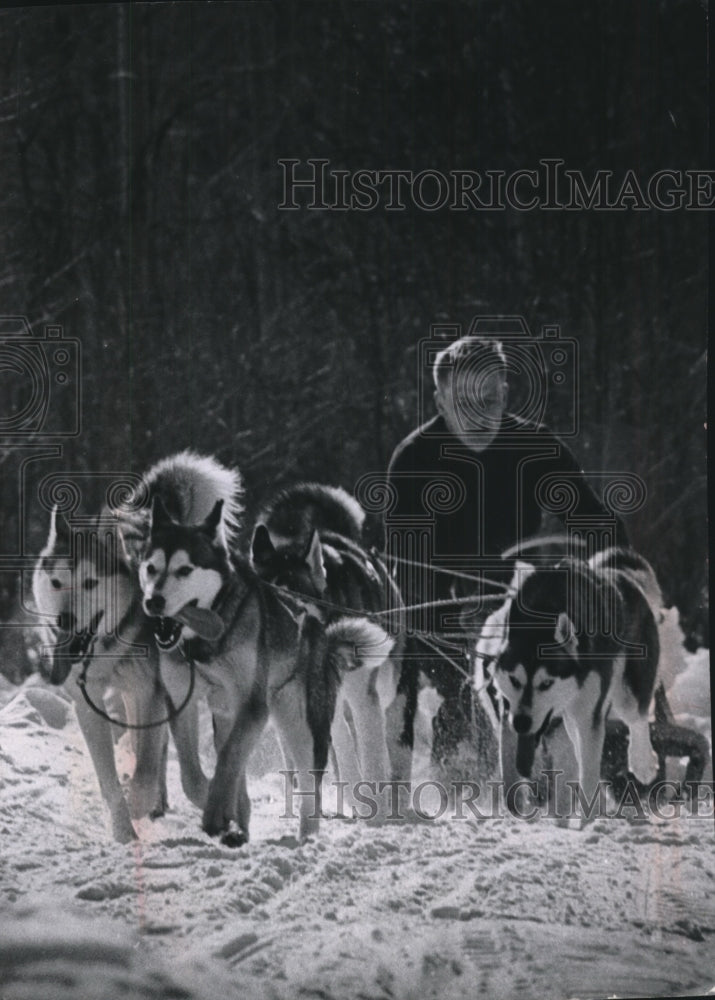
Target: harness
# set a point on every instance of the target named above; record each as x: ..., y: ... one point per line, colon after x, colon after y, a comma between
x: 82, y: 684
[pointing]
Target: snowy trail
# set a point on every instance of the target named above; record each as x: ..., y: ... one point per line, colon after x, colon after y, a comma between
x: 495, y: 908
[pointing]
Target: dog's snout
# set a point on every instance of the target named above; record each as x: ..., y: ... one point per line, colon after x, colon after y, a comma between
x: 155, y: 604
x: 522, y: 723
x: 66, y: 621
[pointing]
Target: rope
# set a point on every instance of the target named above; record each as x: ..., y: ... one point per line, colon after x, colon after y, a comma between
x: 342, y: 609
x: 173, y: 712
x: 451, y: 572
x: 535, y: 543
x: 424, y: 637
x: 428, y: 641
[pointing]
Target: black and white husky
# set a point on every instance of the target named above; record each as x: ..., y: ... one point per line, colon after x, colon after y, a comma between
x: 308, y: 540
x: 261, y: 654
x: 580, y: 642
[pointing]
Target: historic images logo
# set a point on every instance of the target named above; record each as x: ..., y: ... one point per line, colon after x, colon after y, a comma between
x: 550, y: 186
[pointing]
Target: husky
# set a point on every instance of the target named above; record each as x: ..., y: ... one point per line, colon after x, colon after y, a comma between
x: 86, y: 584
x: 82, y: 587
x: 307, y: 539
x: 261, y: 654
x: 580, y: 643
x: 667, y: 738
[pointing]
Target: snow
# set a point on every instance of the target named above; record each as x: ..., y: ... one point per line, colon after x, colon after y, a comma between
x: 496, y: 908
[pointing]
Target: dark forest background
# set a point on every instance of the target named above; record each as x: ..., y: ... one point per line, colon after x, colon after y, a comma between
x: 138, y: 210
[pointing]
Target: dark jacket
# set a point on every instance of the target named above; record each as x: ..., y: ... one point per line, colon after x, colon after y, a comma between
x: 457, y: 509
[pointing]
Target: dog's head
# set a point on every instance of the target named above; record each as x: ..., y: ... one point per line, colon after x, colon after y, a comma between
x: 537, y: 673
x: 300, y: 570
x: 182, y: 567
x: 80, y: 582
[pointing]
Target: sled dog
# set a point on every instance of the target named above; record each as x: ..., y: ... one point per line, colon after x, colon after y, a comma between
x: 307, y: 540
x: 87, y: 586
x: 580, y: 643
x: 261, y: 654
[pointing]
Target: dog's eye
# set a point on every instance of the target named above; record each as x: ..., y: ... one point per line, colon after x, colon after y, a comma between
x: 184, y: 570
x: 57, y: 584
x: 544, y: 685
x: 517, y: 685
x: 90, y: 583
x: 150, y: 569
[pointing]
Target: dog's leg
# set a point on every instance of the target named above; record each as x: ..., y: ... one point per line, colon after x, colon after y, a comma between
x: 369, y: 721
x: 185, y: 731
x: 399, y: 747
x: 642, y: 759
x: 633, y: 697
x: 290, y: 717
x: 517, y: 790
x: 510, y: 777
x: 228, y: 798
x: 587, y: 737
x: 147, y: 790
x: 348, y: 766
x: 98, y: 736
x: 564, y: 765
x: 144, y: 704
x: 185, y: 728
x: 400, y: 721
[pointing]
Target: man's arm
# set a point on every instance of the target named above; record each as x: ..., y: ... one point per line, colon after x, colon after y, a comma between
x: 588, y: 504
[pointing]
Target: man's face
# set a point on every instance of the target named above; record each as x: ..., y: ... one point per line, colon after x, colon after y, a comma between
x: 472, y: 405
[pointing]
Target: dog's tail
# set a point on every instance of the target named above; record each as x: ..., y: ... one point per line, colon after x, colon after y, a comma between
x: 189, y: 486
x: 299, y: 510
x: 357, y: 642
x: 636, y: 570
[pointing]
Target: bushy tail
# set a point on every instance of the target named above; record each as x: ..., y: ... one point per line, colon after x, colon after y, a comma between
x: 357, y: 642
x: 638, y: 569
x: 299, y: 510
x: 189, y: 486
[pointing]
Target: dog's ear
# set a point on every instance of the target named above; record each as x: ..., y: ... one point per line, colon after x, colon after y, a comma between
x: 134, y: 528
x: 565, y: 634
x: 211, y: 524
x: 314, y: 559
x: 262, y: 547
x: 60, y: 531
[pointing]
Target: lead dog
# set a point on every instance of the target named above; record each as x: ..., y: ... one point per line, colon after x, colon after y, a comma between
x: 87, y: 586
x: 260, y: 654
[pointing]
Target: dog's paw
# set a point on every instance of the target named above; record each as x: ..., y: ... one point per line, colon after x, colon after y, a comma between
x: 215, y: 824
x: 522, y: 802
x: 122, y: 829
x: 218, y: 816
x: 146, y: 799
x: 234, y: 836
x: 309, y: 827
x: 644, y: 768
